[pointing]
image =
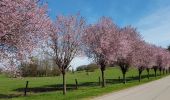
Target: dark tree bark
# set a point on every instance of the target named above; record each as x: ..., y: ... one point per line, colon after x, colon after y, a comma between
x: 103, y: 77
x: 166, y: 71
x: 124, y: 68
x: 140, y: 70
x: 148, y: 70
x: 124, y: 78
x: 160, y: 70
x: 64, y: 82
x: 26, y: 88
x: 163, y: 71
x: 155, y: 70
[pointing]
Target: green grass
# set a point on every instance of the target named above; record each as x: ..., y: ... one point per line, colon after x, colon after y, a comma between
x: 88, y: 85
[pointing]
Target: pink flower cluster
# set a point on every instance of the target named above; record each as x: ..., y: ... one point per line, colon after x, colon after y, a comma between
x: 24, y: 24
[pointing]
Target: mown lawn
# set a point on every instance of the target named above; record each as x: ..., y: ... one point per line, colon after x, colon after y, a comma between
x: 50, y: 88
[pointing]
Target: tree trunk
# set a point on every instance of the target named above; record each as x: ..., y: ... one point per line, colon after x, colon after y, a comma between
x: 155, y: 72
x: 139, y: 76
x: 102, y: 68
x: 163, y: 71
x: 103, y: 79
x: 124, y: 78
x: 26, y: 88
x: 166, y: 71
x: 64, y: 84
x: 124, y: 69
x: 140, y: 72
x: 148, y: 72
x: 160, y: 70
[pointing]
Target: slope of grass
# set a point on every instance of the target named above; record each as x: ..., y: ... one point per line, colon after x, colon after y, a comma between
x: 50, y: 88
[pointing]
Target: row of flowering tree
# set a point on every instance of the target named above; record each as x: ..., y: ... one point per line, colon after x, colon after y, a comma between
x: 107, y: 43
x: 24, y: 25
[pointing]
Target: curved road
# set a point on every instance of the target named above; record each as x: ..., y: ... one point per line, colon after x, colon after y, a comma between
x: 156, y: 90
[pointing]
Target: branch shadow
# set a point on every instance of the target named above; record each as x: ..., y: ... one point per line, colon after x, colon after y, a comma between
x: 59, y: 87
x: 56, y: 87
x: 128, y: 79
x: 8, y: 96
x: 46, y: 88
x: 142, y: 77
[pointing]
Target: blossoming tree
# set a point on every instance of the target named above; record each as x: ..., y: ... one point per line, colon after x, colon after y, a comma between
x: 65, y: 41
x: 23, y: 24
x: 97, y: 42
x: 128, y: 40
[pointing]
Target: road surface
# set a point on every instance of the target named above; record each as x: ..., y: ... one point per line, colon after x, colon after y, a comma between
x: 155, y: 90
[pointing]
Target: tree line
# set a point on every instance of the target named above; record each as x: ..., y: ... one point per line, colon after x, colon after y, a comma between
x: 25, y: 26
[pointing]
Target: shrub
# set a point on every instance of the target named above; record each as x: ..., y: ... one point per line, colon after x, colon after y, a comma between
x: 91, y: 67
x: 81, y: 68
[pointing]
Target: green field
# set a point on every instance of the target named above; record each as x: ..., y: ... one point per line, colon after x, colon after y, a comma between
x: 50, y: 88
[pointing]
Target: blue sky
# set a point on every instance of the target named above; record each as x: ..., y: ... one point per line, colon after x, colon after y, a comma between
x: 150, y: 17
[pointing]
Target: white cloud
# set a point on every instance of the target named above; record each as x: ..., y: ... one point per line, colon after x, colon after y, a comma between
x: 78, y: 61
x: 155, y: 28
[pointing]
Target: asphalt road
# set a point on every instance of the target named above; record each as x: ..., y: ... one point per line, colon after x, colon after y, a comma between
x: 156, y: 90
